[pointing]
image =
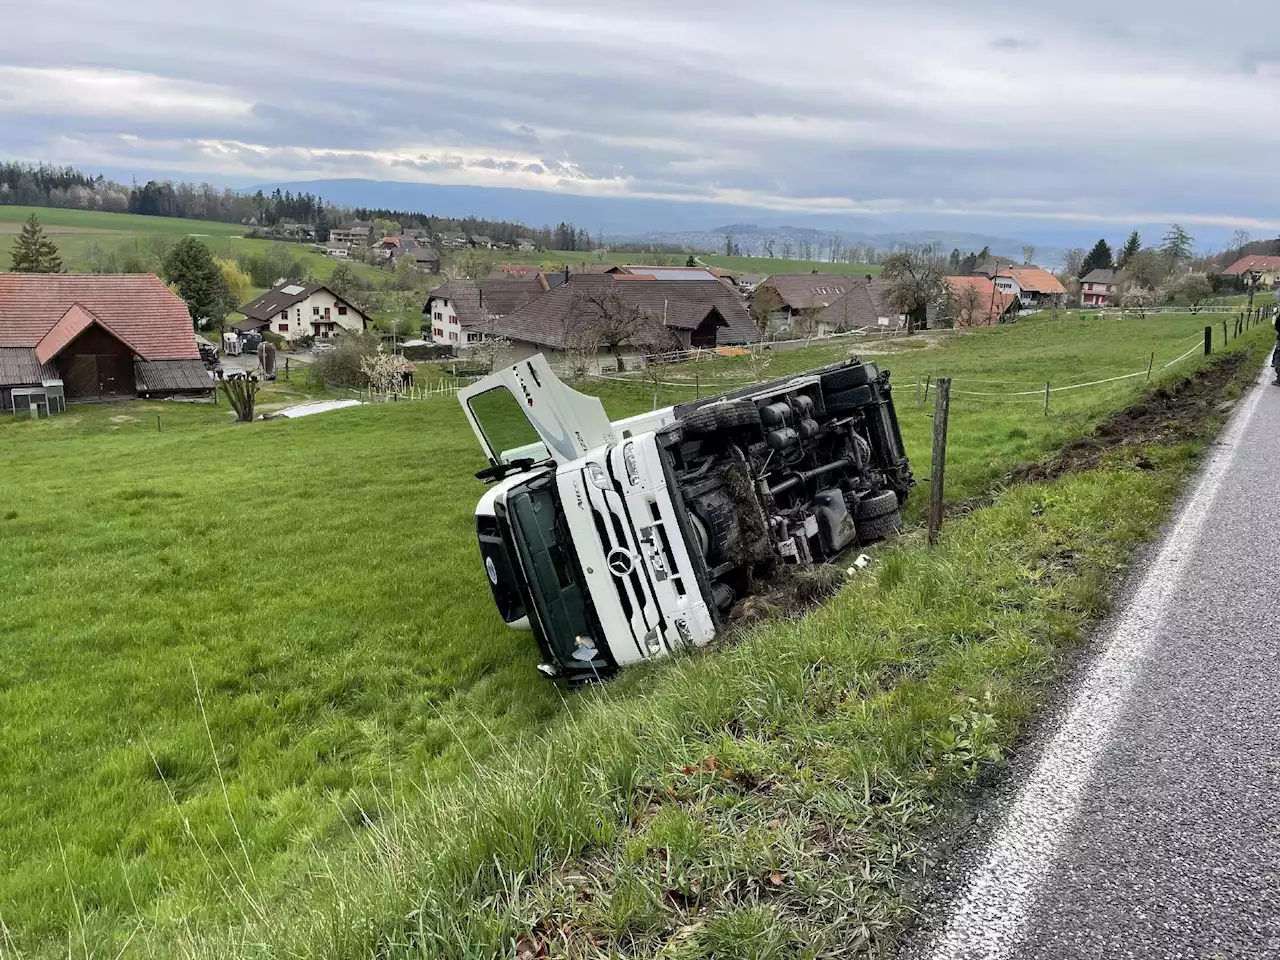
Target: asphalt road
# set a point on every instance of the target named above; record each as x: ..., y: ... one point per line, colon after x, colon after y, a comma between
x: 1146, y: 823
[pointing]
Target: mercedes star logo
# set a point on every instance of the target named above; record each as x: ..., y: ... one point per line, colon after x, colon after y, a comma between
x: 621, y: 562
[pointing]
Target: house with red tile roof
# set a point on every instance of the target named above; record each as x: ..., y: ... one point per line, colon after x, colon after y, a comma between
x: 104, y: 337
x: 977, y: 302
x: 1267, y: 269
x: 1033, y: 286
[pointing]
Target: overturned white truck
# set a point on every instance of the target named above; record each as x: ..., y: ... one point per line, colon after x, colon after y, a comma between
x: 618, y: 542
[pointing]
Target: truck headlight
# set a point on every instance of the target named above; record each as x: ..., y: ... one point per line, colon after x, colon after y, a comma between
x: 629, y: 461
x: 597, y: 476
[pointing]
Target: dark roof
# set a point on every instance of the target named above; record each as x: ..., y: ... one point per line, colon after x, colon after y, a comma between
x: 861, y: 306
x: 810, y: 291
x: 135, y: 308
x: 476, y: 302
x: 271, y: 303
x: 684, y: 304
x: 246, y: 325
x: 172, y: 376
x: 423, y: 254
x: 19, y: 367
x: 1100, y: 276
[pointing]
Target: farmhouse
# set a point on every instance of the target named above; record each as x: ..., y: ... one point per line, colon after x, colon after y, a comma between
x: 1098, y: 287
x: 459, y: 310
x: 801, y: 296
x: 100, y: 337
x: 1266, y: 269
x: 356, y: 234
x: 568, y: 318
x: 295, y: 310
x: 1033, y: 286
x: 977, y: 302
x: 861, y: 308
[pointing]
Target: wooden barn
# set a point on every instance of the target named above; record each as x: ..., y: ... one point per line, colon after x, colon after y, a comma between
x: 103, y: 337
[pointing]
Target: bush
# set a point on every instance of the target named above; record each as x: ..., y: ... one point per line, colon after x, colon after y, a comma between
x: 278, y: 263
x: 341, y: 366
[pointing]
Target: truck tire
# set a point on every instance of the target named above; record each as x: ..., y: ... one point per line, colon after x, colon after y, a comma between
x: 854, y: 375
x: 870, y: 531
x: 875, y: 506
x: 724, y: 415
x: 847, y: 401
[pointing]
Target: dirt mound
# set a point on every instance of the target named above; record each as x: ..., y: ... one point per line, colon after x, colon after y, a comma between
x: 1164, y: 416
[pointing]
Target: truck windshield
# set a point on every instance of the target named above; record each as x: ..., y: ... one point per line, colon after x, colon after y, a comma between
x: 506, y: 428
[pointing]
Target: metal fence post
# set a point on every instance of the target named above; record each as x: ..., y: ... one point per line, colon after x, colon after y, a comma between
x: 938, y: 469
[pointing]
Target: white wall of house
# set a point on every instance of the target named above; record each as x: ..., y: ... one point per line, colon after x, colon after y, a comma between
x: 1009, y: 285
x: 444, y: 326
x: 322, y: 315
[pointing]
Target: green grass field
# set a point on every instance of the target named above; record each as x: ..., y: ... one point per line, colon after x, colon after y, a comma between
x: 75, y: 232
x: 236, y: 655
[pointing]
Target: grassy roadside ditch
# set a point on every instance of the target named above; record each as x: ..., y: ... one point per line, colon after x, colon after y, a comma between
x: 789, y: 795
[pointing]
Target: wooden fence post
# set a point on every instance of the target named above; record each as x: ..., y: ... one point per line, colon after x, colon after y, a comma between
x: 927, y: 381
x: 1046, y: 398
x: 1151, y: 363
x: 938, y: 470
x: 1224, y: 332
x: 1208, y: 340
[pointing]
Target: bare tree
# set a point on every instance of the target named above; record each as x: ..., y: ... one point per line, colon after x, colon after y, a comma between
x: 786, y: 250
x: 1072, y: 261
x: 1028, y: 253
x: 606, y: 321
x: 1240, y: 239
x: 915, y: 284
x: 965, y: 304
x: 764, y: 304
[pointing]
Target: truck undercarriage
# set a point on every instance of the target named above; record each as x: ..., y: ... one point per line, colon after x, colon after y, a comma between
x: 621, y: 542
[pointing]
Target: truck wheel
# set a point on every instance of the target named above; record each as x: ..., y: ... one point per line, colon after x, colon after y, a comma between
x: 869, y: 531
x: 854, y: 375
x: 847, y: 401
x: 725, y: 415
x: 876, y: 506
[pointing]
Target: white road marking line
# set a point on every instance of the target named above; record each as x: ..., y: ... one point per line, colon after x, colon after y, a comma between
x: 988, y: 918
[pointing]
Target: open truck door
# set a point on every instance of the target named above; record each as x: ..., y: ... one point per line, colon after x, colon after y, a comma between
x: 558, y: 422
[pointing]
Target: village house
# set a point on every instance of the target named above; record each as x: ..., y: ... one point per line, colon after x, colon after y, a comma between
x: 425, y: 259
x: 977, y: 302
x: 1098, y: 287
x: 357, y: 235
x: 1266, y: 269
x: 451, y: 240
x: 1033, y: 286
x: 339, y: 251
x: 802, y: 296
x: 95, y: 337
x: 696, y: 313
x: 480, y: 240
x: 862, y: 307
x: 459, y: 311
x: 297, y: 310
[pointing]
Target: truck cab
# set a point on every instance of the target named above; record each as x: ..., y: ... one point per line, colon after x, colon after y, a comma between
x: 616, y: 542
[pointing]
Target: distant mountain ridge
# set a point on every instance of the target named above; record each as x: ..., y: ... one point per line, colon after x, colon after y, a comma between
x: 648, y: 220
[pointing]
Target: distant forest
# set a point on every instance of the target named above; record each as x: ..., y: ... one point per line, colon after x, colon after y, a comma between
x: 66, y: 187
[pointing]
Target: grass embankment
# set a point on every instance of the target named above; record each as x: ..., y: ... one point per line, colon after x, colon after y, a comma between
x: 318, y: 580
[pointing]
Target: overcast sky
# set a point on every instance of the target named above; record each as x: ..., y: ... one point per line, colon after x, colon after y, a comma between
x: 1083, y: 112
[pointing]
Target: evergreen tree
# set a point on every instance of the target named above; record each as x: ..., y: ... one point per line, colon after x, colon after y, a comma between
x: 190, y: 267
x: 1177, y: 245
x: 1099, y: 258
x: 33, y: 251
x: 1131, y: 248
x: 954, y: 263
x: 691, y: 262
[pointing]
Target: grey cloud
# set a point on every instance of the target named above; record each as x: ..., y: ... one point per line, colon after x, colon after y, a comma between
x: 853, y: 101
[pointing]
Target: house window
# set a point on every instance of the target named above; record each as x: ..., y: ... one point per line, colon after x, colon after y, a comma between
x: 438, y: 332
x: 315, y: 311
x: 439, y: 315
x: 326, y: 313
x: 284, y: 314
x: 342, y: 311
x: 282, y: 327
x: 453, y: 336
